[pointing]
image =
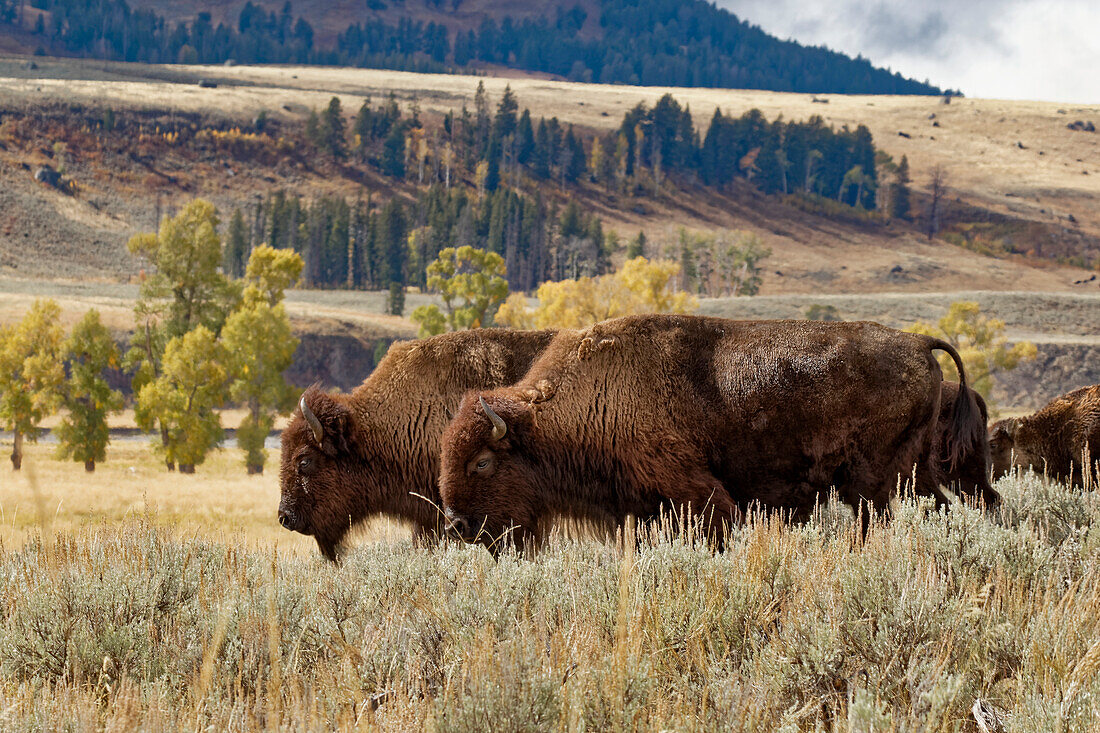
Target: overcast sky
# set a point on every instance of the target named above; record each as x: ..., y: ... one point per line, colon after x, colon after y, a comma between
x: 1005, y: 49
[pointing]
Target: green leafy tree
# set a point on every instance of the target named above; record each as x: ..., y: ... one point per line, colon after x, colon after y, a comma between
x: 31, y: 373
x: 88, y: 398
x: 471, y: 282
x: 183, y: 398
x: 270, y: 272
x: 259, y: 347
x: 743, y: 263
x: 184, y: 290
x: 981, y: 343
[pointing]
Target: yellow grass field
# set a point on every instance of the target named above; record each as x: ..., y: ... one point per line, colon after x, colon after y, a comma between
x: 220, y: 501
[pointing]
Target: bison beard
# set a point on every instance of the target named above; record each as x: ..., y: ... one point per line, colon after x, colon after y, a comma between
x: 646, y: 413
x: 1054, y: 440
x: 348, y: 457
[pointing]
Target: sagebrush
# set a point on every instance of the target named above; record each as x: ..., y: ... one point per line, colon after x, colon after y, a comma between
x: 792, y: 628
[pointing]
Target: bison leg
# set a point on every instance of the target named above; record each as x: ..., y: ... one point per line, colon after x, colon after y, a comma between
x: 705, y: 497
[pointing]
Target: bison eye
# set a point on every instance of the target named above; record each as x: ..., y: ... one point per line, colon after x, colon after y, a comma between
x: 483, y: 463
x: 306, y: 465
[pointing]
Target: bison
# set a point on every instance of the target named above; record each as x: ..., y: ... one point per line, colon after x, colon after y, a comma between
x: 969, y: 474
x: 646, y: 413
x: 1055, y: 439
x: 348, y: 457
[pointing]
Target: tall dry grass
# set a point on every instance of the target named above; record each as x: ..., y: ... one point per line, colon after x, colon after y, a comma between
x: 135, y: 626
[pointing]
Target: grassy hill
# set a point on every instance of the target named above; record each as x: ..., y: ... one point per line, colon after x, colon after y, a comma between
x: 648, y: 42
x: 1019, y: 180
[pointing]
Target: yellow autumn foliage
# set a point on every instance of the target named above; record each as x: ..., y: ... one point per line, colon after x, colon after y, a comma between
x: 981, y: 343
x: 640, y: 286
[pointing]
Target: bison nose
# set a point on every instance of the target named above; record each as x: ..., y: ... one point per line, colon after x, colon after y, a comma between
x: 286, y: 519
x: 457, y: 525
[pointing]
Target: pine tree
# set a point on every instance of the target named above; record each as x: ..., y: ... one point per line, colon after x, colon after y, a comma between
x: 363, y: 128
x: 899, y: 207
x: 492, y: 158
x: 505, y: 122
x: 88, y: 398
x: 525, y: 134
x: 236, y: 246
x: 332, y: 131
x: 393, y: 153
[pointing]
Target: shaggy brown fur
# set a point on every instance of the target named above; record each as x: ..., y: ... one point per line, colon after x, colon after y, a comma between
x: 1054, y: 439
x: 381, y: 442
x: 969, y: 476
x: 642, y: 413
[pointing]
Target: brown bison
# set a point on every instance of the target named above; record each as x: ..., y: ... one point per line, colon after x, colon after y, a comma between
x: 969, y: 474
x: 1055, y: 439
x: 348, y: 457
x: 645, y: 413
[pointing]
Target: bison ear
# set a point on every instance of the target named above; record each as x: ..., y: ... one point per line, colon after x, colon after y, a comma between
x: 1005, y: 429
x: 329, y: 421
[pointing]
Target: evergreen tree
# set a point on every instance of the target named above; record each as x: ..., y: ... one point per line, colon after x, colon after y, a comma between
x: 363, y: 128
x: 899, y: 207
x: 492, y: 159
x: 525, y: 139
x: 332, y: 131
x: 504, y: 124
x: 236, y: 246
x: 88, y: 398
x: 393, y: 153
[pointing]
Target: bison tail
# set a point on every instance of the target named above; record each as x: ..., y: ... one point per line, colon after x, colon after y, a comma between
x: 967, y: 423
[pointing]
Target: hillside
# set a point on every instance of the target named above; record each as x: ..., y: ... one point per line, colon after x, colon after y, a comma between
x: 647, y: 42
x: 1016, y: 174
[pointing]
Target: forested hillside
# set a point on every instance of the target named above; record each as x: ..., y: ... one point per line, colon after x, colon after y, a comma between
x: 646, y: 42
x: 488, y: 177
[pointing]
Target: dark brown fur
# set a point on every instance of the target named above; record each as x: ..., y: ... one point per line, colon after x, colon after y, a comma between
x: 1053, y: 440
x: 643, y: 413
x: 969, y: 476
x: 381, y: 442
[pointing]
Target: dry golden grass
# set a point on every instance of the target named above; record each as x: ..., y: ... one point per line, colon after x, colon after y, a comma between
x: 220, y: 498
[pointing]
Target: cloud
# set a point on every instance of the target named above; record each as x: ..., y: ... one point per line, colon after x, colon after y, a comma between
x: 1035, y: 49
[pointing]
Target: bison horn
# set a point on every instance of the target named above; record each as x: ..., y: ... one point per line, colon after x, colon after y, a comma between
x: 499, y: 428
x: 314, y: 423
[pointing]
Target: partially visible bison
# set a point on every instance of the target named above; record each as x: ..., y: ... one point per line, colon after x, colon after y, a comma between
x: 347, y: 457
x: 645, y: 413
x: 968, y: 475
x: 1053, y: 440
